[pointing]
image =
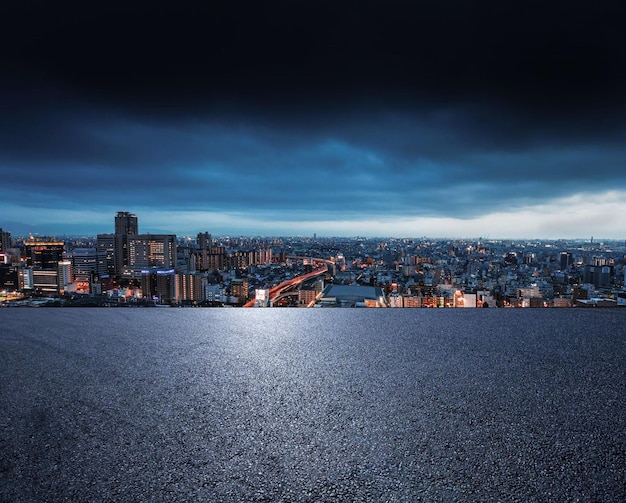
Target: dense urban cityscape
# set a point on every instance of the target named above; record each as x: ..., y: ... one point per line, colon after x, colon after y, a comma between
x: 127, y: 268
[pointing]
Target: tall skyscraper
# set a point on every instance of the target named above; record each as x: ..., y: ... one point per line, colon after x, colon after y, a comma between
x: 126, y: 224
x: 5, y: 241
x: 106, y: 254
x: 134, y: 252
x: 204, y: 241
x: 64, y: 275
x: 566, y: 260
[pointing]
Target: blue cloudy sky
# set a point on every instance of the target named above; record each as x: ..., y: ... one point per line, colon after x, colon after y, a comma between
x: 440, y: 119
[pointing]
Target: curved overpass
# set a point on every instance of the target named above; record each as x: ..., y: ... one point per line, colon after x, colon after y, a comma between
x: 279, y: 289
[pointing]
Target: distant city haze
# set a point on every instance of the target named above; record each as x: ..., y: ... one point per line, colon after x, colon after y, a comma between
x: 541, y: 222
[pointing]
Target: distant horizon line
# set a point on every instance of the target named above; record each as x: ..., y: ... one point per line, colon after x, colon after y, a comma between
x: 590, y: 240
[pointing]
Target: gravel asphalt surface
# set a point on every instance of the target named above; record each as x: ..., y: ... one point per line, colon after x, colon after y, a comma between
x: 312, y: 405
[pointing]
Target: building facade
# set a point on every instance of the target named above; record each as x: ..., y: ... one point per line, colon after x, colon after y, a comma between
x: 43, y: 253
x: 149, y: 251
x: 105, y: 246
x: 5, y: 241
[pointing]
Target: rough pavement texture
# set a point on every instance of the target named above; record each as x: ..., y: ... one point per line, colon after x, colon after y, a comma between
x: 312, y: 405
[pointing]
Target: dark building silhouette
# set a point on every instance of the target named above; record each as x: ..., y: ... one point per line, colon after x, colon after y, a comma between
x: 9, y: 278
x: 5, y: 241
x: 204, y: 244
x: 106, y: 253
x: 598, y: 275
x: 566, y: 260
x: 43, y: 253
x: 126, y: 224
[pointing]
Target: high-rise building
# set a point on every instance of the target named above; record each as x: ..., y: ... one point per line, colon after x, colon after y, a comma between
x: 190, y: 287
x: 240, y: 259
x: 185, y: 259
x: 126, y: 224
x: 5, y: 241
x: 263, y: 256
x: 204, y: 241
x: 86, y: 264
x: 64, y: 275
x: 212, y: 259
x: 43, y: 253
x: 148, y: 251
x: 566, y: 260
x: 106, y: 254
x: 159, y: 285
x: 132, y: 252
x: 148, y: 284
x: 166, y: 286
x: 599, y: 276
x: 9, y: 278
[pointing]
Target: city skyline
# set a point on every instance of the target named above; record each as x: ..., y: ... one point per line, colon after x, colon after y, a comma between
x: 447, y: 120
x: 113, y: 269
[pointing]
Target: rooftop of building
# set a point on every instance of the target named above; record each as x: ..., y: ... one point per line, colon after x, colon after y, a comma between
x: 352, y: 296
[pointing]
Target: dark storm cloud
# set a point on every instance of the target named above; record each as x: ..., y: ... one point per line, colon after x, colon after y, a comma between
x: 229, y: 166
x: 277, y: 55
x: 401, y: 108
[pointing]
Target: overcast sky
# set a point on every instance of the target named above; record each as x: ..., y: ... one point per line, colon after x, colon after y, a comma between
x: 433, y: 118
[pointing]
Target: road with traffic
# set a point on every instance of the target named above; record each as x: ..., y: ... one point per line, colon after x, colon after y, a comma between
x: 277, y: 290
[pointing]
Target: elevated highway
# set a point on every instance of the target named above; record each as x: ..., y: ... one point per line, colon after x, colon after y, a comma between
x: 285, y: 286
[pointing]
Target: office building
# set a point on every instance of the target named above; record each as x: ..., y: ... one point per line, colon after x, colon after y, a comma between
x: 45, y: 281
x: 134, y: 252
x: 598, y: 275
x: 87, y: 265
x: 9, y: 278
x: 126, y: 224
x: 149, y: 251
x: 5, y: 241
x: 566, y: 260
x: 105, y: 247
x: 43, y: 253
x: 148, y: 284
x: 64, y: 275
